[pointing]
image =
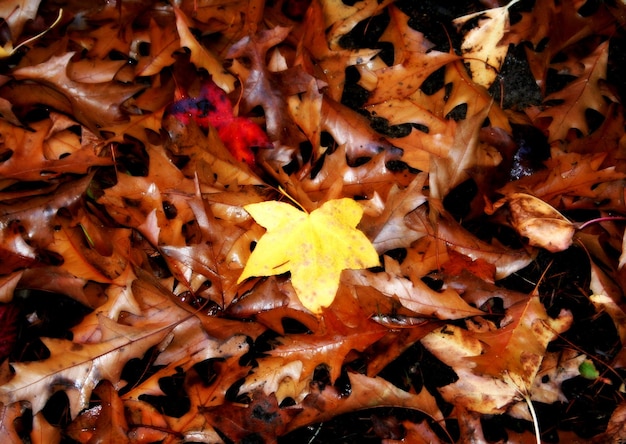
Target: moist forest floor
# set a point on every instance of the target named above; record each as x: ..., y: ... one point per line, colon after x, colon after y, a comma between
x: 173, y: 176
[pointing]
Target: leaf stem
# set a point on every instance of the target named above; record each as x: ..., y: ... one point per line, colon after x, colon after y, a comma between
x: 32, y: 39
x: 533, y: 414
x: 599, y: 219
x: 284, y: 192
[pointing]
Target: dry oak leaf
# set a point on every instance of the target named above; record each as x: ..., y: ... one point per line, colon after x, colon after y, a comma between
x: 441, y: 226
x: 78, y: 368
x: 38, y: 153
x: 15, y: 14
x: 93, y: 104
x: 465, y: 159
x: 367, y: 392
x: 556, y: 367
x: 105, y: 422
x: 415, y: 61
x: 353, y: 130
x: 224, y: 20
x: 588, y: 91
x: 324, y: 57
x: 260, y: 419
x: 163, y: 43
x: 105, y: 39
x: 267, y: 88
x: 416, y: 296
x: 536, y: 26
x: 201, y: 56
x: 387, y: 228
x: 497, y: 368
x: 341, y: 18
x: 435, y: 136
x: 288, y: 369
x: 567, y: 174
x: 465, y: 92
x: 616, y: 428
x: 314, y: 247
x: 482, y: 45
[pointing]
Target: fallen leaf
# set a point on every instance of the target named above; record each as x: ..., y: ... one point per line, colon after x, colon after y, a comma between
x: 496, y: 368
x: 555, y: 369
x: 446, y: 229
x: 314, y: 247
x: 540, y: 223
x: 388, y: 230
x: 212, y: 108
x: 17, y: 14
x: 105, y: 422
x: 415, y: 61
x: 567, y: 108
x: 566, y: 174
x: 321, y: 50
x: 201, y: 56
x: 9, y: 314
x: 288, y: 369
x: 482, y: 45
x: 416, y: 296
x: 35, y: 160
x: 366, y: 392
x: 78, y: 367
x: 163, y: 43
x: 262, y: 418
x: 95, y: 105
x: 269, y: 89
x: 466, y: 158
x: 616, y: 428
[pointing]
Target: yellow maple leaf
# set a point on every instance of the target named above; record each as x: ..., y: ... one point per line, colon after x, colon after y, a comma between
x: 315, y: 247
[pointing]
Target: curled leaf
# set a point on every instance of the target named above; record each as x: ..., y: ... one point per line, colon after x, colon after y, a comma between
x: 544, y: 226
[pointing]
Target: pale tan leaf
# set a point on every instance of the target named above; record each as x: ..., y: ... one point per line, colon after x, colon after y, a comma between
x: 465, y: 158
x: 540, y: 223
x: 482, y: 46
x: 556, y: 367
x: 366, y: 393
x: 17, y: 13
x: 496, y: 368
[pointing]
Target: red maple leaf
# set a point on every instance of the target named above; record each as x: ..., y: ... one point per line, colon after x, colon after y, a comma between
x: 212, y: 108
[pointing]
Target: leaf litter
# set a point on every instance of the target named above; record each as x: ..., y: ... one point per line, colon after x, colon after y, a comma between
x: 250, y: 221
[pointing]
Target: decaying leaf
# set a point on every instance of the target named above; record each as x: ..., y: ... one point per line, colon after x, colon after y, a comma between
x: 201, y: 56
x: 77, y: 368
x: 130, y: 227
x: 314, y: 247
x: 415, y: 61
x: 482, y: 45
x: 416, y: 296
x: 540, y: 223
x: 96, y: 105
x: 496, y: 368
x: 587, y: 92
